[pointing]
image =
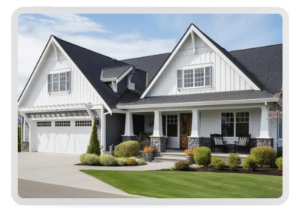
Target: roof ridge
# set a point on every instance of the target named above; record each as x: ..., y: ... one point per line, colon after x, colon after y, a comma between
x: 127, y: 65
x: 255, y: 47
x: 84, y: 48
x: 145, y: 56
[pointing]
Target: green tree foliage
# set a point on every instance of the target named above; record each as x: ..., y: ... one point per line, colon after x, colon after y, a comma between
x: 94, y: 147
x: 19, y: 139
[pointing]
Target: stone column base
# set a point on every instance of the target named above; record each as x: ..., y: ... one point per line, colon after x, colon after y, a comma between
x: 25, y: 146
x: 159, y: 144
x: 128, y: 138
x: 193, y: 142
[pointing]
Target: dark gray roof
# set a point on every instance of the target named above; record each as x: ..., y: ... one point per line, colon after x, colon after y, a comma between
x: 130, y: 98
x: 150, y: 64
x: 265, y: 64
x: 114, y: 72
x: 91, y: 65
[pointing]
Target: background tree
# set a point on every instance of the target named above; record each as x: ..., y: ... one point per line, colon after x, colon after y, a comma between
x: 19, y: 139
x: 94, y: 147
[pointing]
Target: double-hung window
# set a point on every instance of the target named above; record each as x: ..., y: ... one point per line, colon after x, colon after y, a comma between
x: 194, y: 77
x: 235, y: 124
x: 59, y: 82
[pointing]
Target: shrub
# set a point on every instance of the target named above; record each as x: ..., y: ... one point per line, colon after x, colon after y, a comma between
x: 189, y: 152
x: 108, y: 160
x: 19, y: 139
x: 279, y: 163
x: 94, y: 147
x: 92, y: 159
x: 265, y: 155
x: 233, y: 161
x: 202, y: 155
x: 182, y: 165
x: 130, y: 162
x: 83, y: 158
x: 127, y: 149
x: 218, y: 163
x: 279, y: 153
x: 148, y: 149
x: 121, y: 161
x: 250, y: 163
x: 141, y: 161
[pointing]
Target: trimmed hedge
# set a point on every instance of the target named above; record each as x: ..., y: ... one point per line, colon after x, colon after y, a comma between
x: 130, y: 162
x: 108, y: 160
x: 265, y: 155
x: 279, y: 163
x: 250, y: 163
x: 141, y: 161
x: 233, y: 161
x: 182, y: 165
x: 127, y: 149
x: 202, y: 155
x: 121, y: 161
x: 218, y: 163
x: 83, y: 158
x: 92, y: 159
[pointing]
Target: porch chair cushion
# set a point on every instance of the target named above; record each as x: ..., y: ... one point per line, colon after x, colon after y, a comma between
x: 218, y: 141
x: 243, y: 141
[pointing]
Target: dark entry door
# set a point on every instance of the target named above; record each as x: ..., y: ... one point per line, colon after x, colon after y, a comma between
x: 185, y: 129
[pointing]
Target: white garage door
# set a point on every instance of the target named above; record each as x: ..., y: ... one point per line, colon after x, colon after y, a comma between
x: 61, y: 136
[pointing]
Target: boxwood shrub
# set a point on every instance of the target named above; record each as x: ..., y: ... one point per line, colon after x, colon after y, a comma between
x: 92, y: 159
x: 250, y: 163
x: 279, y: 163
x: 265, y: 155
x: 108, y: 160
x: 130, y: 162
x: 233, y: 161
x: 182, y: 165
x: 121, y: 161
x: 218, y: 163
x: 141, y: 161
x: 83, y: 158
x: 127, y: 149
x: 202, y: 155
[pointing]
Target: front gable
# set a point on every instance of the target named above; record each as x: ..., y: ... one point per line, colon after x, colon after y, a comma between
x: 53, y: 60
x: 194, y: 51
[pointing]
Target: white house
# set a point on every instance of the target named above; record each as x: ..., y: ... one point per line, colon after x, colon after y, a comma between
x: 178, y: 98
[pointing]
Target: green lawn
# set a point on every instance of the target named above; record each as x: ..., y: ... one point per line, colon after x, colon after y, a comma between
x: 178, y: 184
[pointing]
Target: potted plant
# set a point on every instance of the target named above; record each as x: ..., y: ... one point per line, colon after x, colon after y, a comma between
x: 189, y: 155
x: 149, y: 153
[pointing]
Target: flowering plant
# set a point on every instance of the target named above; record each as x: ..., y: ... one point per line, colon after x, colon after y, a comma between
x: 148, y: 149
x: 189, y: 152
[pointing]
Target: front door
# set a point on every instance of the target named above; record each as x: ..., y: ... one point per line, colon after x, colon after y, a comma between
x: 185, y: 129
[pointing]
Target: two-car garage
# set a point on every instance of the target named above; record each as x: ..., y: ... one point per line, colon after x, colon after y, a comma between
x: 61, y: 136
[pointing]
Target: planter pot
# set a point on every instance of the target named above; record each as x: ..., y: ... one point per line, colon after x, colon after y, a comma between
x: 149, y: 157
x: 190, y: 159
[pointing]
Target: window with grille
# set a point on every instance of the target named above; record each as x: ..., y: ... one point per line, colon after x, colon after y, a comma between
x: 62, y: 123
x: 59, y: 82
x: 83, y: 123
x: 197, y: 77
x: 172, y: 125
x: 235, y: 124
x: 42, y: 124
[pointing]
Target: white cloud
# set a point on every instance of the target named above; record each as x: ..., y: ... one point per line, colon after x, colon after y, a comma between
x: 34, y: 32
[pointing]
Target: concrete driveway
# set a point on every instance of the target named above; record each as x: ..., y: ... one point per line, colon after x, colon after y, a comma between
x: 60, y: 170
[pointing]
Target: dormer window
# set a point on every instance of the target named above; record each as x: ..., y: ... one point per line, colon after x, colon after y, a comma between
x: 195, y: 77
x: 59, y: 81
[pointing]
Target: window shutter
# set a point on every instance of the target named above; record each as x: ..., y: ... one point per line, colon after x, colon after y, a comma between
x: 49, y: 83
x: 179, y: 79
x: 69, y: 81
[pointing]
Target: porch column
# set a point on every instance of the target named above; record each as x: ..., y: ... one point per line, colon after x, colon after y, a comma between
x: 264, y: 136
x: 128, y: 135
x: 158, y: 141
x: 264, y: 123
x: 194, y: 139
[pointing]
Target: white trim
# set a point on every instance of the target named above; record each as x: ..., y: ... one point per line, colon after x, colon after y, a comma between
x: 63, y: 118
x: 192, y: 29
x: 88, y: 109
x: 59, y: 71
x: 202, y: 65
x: 124, y: 74
x: 185, y: 104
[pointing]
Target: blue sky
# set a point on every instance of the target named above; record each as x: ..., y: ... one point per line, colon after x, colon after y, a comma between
x: 125, y: 36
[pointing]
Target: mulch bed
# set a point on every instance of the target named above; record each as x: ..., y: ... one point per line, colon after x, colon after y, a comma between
x: 259, y: 171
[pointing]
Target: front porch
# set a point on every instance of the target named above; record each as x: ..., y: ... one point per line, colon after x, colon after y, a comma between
x: 182, y: 128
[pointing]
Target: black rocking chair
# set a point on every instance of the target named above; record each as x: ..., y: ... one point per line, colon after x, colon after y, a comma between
x: 243, y: 142
x: 217, y: 140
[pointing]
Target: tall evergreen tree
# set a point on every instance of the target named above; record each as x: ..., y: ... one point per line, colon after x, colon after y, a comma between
x: 94, y: 147
x: 19, y: 139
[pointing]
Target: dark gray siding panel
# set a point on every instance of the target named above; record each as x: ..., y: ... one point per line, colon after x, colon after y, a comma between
x: 122, y: 86
x: 139, y: 79
x: 115, y: 125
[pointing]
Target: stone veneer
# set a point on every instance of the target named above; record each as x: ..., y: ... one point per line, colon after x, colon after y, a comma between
x: 25, y: 146
x: 127, y: 138
x: 158, y: 143
x: 193, y: 142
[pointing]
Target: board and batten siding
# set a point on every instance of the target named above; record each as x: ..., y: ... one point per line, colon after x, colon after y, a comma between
x: 81, y: 90
x: 224, y: 77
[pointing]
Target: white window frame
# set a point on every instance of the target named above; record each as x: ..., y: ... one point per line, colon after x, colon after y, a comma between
x: 194, y: 67
x: 234, y: 121
x: 41, y: 124
x: 83, y: 123
x: 178, y: 125
x: 66, y: 82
